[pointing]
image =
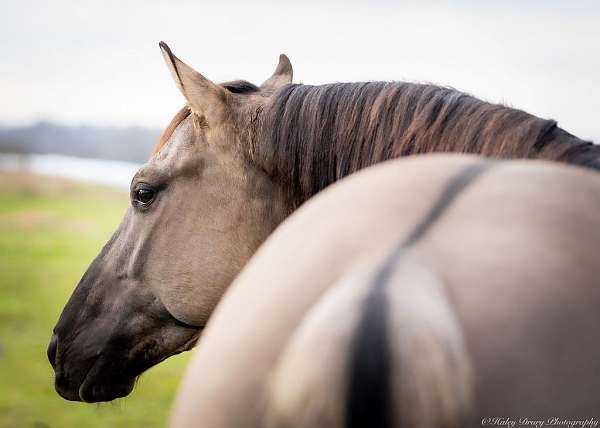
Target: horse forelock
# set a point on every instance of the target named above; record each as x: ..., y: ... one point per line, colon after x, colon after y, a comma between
x: 168, y: 132
x: 235, y: 86
x: 314, y: 135
x: 240, y: 87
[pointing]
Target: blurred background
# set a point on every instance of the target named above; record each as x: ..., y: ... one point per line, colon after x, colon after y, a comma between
x: 84, y: 95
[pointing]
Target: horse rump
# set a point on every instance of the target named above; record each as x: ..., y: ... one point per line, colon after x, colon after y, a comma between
x: 375, y: 351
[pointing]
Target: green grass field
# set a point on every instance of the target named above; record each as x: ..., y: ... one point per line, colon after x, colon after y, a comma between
x: 50, y: 230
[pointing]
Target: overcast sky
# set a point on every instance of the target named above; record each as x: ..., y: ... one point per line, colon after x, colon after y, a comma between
x: 98, y: 62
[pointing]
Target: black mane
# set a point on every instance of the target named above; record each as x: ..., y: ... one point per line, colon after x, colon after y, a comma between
x: 311, y: 136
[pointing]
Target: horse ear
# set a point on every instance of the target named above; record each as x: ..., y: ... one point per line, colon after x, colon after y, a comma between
x: 205, y: 98
x: 282, y: 76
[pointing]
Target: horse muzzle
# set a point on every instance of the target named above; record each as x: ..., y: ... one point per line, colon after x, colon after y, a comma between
x: 88, y: 379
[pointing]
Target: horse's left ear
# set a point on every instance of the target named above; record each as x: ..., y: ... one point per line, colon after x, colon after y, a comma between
x: 282, y: 76
x: 205, y: 98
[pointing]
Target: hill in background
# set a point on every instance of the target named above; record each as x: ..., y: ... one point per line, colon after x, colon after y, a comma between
x: 132, y: 144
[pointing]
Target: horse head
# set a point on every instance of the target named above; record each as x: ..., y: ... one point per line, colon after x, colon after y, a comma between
x: 199, y: 209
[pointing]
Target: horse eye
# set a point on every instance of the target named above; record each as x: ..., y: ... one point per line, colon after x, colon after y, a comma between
x: 144, y: 196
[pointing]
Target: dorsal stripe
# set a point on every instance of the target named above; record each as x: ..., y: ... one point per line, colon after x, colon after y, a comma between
x: 369, y: 399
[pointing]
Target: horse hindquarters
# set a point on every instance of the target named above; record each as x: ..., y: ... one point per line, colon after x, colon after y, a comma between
x: 375, y: 354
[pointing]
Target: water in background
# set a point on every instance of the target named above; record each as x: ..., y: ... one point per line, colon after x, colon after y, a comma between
x: 106, y: 172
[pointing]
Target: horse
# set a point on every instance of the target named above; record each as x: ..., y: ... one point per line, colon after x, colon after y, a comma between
x: 439, y: 291
x: 231, y: 166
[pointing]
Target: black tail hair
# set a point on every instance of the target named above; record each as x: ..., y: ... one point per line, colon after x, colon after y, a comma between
x: 369, y: 395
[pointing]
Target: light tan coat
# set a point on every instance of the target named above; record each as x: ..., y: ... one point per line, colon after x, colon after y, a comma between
x: 494, y: 310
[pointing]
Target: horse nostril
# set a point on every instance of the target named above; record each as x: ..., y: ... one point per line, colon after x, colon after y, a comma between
x: 52, y: 347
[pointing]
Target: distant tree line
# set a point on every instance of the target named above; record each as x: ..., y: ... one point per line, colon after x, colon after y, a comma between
x: 132, y: 144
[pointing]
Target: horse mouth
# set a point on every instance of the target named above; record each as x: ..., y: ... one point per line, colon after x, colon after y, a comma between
x: 94, y: 386
x: 93, y: 391
x: 99, y: 384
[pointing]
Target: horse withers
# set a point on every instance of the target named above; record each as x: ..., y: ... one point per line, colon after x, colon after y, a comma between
x: 233, y: 164
x: 433, y: 291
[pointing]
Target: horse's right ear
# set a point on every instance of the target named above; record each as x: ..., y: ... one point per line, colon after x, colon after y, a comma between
x: 205, y: 98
